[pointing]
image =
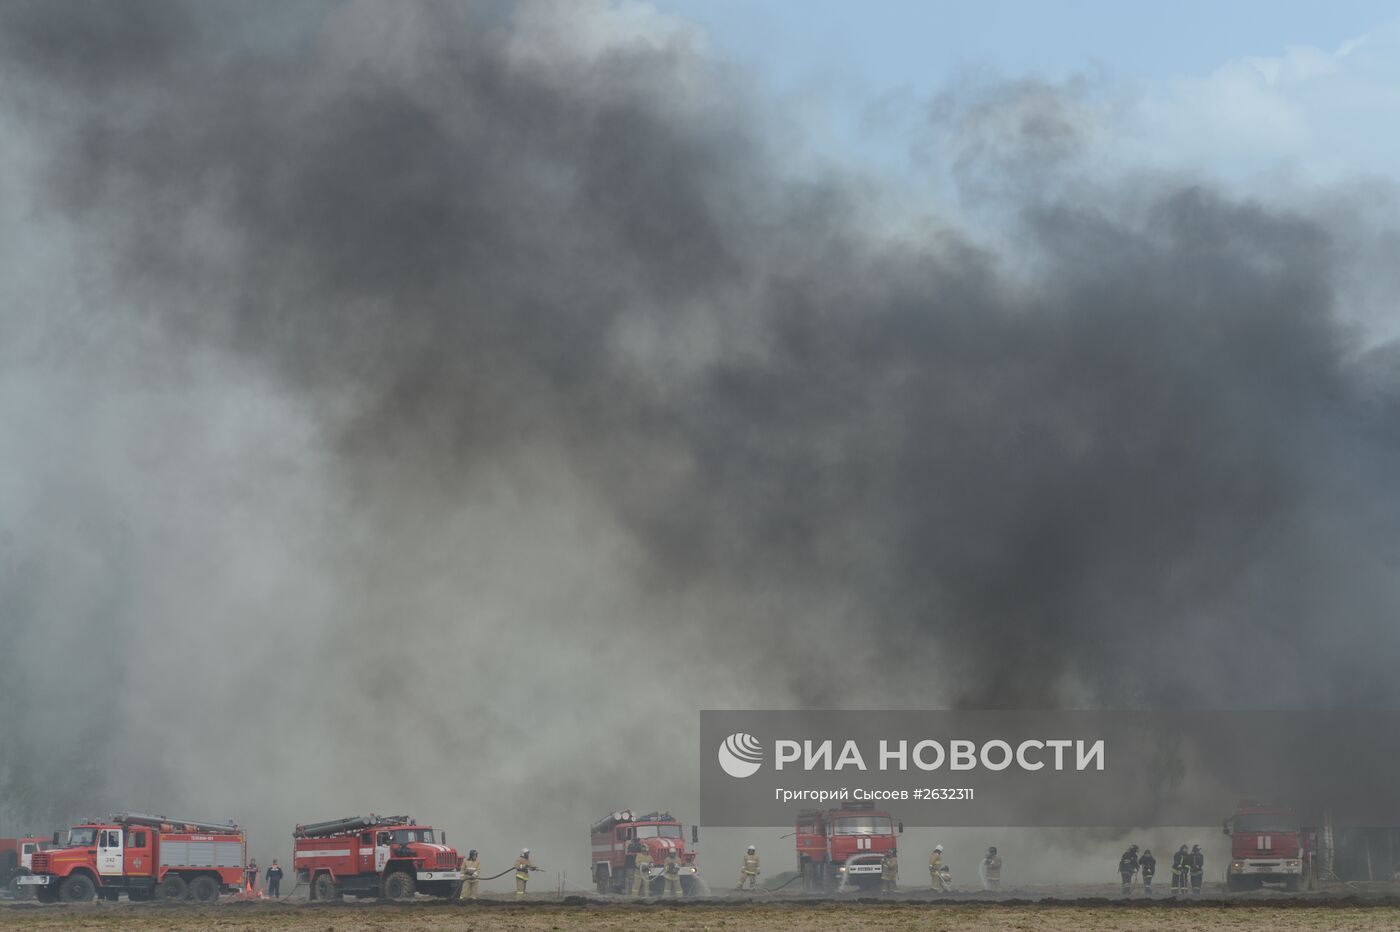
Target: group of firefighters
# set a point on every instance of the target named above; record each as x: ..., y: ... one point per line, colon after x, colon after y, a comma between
x: 471, y: 873
x: 670, y: 870
x: 940, y: 877
x: 1188, y: 870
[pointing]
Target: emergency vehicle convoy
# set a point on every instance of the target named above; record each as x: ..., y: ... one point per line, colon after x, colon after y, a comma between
x: 16, y: 857
x: 618, y: 837
x: 144, y: 856
x: 1267, y: 846
x: 838, y: 848
x: 373, y: 856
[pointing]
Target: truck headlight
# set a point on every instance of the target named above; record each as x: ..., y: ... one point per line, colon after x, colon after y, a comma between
x: 1236, y: 866
x: 1294, y: 863
x: 841, y: 870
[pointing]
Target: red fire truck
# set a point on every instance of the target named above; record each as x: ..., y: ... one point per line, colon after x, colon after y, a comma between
x: 615, y: 838
x: 16, y: 856
x: 143, y: 856
x: 840, y: 848
x: 373, y: 856
x: 1267, y: 846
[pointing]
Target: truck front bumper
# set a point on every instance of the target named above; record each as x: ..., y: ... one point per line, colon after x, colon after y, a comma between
x: 33, y: 880
x: 862, y: 870
x: 439, y: 875
x: 1279, y: 867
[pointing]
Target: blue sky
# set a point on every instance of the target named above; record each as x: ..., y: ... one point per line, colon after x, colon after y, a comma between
x: 891, y: 43
x: 1261, y: 94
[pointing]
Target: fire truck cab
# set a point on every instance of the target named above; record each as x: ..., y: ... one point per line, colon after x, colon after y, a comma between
x: 1267, y: 846
x: 842, y: 848
x: 16, y: 861
x: 144, y: 856
x: 617, y: 837
x: 375, y: 856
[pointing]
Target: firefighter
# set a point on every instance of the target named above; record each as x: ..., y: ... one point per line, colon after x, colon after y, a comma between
x: 889, y: 872
x: 1128, y: 868
x: 748, y: 871
x: 274, y: 879
x: 673, y: 873
x: 471, y: 875
x: 991, y: 869
x: 251, y: 872
x: 1148, y: 864
x: 1196, y: 862
x: 641, y: 861
x: 523, y: 866
x: 937, y: 870
x: 1180, y: 870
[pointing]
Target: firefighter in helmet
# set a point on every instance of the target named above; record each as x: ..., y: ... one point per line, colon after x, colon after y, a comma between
x: 991, y: 869
x: 1196, y: 864
x: 748, y: 871
x: 1180, y: 870
x: 523, y: 866
x: 1148, y: 864
x: 471, y: 875
x: 641, y: 862
x: 1128, y: 868
x: 889, y: 871
x: 274, y: 880
x: 672, y: 872
x: 938, y: 873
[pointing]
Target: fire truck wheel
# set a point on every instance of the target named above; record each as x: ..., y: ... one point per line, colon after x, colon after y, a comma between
x: 77, y: 889
x: 323, y: 888
x: 173, y: 887
x: 17, y: 890
x: 601, y: 881
x: 399, y: 886
x: 204, y: 889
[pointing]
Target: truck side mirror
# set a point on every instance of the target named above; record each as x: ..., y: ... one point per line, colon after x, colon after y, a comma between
x: 901, y: 828
x: 1225, y: 827
x: 444, y: 838
x: 55, y: 839
x: 695, y: 834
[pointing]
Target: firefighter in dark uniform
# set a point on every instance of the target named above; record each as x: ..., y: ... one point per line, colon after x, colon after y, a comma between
x: 1196, y: 861
x: 1128, y: 868
x: 672, y: 873
x: 1180, y: 870
x: 641, y: 861
x: 274, y: 879
x: 1148, y: 864
x: 251, y: 873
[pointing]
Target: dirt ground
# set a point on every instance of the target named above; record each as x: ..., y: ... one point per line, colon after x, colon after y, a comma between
x: 504, y: 914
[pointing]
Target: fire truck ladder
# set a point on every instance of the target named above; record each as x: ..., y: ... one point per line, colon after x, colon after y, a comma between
x: 160, y: 821
x: 348, y: 824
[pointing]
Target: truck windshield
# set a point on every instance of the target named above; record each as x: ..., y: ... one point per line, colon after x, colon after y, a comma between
x: 658, y: 831
x: 82, y: 837
x: 1254, y: 822
x: 405, y: 835
x: 864, y: 825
